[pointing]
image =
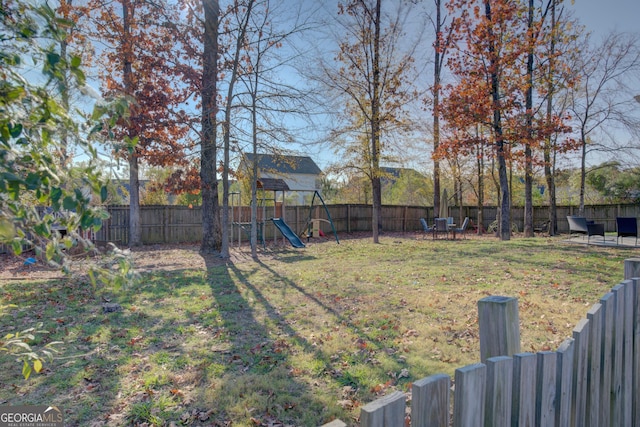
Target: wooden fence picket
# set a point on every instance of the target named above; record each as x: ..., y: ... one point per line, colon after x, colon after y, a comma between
x: 430, y: 401
x: 499, y: 391
x: 580, y: 373
x: 469, y: 396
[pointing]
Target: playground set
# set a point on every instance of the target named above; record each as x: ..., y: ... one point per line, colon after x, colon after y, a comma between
x: 311, y: 227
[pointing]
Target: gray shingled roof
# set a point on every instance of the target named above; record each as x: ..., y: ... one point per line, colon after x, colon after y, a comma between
x: 285, y: 164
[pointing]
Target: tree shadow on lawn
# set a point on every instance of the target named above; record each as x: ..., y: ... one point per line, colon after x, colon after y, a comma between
x: 275, y: 367
x: 253, y: 378
x: 168, y: 355
x: 149, y: 363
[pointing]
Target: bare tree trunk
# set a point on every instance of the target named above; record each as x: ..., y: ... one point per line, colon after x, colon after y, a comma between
x: 549, y: 164
x: 135, y: 230
x: 505, y: 199
x: 254, y: 178
x: 376, y: 191
x: 583, y: 170
x: 437, y: 68
x: 226, y: 129
x: 480, y: 165
x: 528, y: 168
x: 457, y: 188
x: 64, y: 95
x: 211, y: 233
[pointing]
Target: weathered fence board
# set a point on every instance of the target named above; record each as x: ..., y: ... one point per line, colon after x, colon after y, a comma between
x: 499, y: 334
x: 499, y: 386
x: 580, y: 373
x: 627, y: 404
x: 617, y: 353
x: 523, y: 408
x: 546, y: 389
x: 631, y: 268
x: 430, y: 401
x: 387, y: 411
x: 608, y: 306
x: 564, y: 383
x: 636, y: 352
x: 595, y: 316
x: 469, y: 396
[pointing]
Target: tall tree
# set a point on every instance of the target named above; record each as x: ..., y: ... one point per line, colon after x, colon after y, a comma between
x: 532, y: 35
x: 486, y: 50
x: 441, y: 43
x: 556, y: 78
x: 493, y: 48
x: 605, y: 70
x: 266, y: 97
x: 139, y: 61
x: 548, y: 152
x: 242, y: 13
x: 545, y: 74
x: 211, y: 229
x: 375, y: 77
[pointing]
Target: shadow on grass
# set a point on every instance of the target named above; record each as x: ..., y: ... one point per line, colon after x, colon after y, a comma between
x: 252, y: 378
x: 271, y: 365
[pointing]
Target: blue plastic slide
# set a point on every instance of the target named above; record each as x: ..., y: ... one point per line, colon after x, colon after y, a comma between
x: 288, y: 233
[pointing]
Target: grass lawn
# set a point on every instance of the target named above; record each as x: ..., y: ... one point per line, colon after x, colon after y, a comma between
x: 299, y: 337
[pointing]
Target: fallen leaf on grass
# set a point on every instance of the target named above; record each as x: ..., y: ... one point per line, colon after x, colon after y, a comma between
x: 135, y: 340
x: 346, y: 404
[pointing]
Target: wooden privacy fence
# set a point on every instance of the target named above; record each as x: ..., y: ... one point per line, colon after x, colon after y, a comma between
x: 177, y: 224
x: 591, y: 380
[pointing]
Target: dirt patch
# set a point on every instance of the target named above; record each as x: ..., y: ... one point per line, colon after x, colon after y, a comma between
x: 25, y: 267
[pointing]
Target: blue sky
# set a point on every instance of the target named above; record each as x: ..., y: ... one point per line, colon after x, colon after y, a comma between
x: 602, y: 16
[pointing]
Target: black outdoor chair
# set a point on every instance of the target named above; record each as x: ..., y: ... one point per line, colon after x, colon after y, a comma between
x: 580, y: 225
x: 627, y: 227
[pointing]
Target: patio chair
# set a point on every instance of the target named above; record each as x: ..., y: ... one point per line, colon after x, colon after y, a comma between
x: 425, y: 227
x: 580, y: 225
x: 441, y: 226
x: 627, y: 227
x: 462, y: 229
